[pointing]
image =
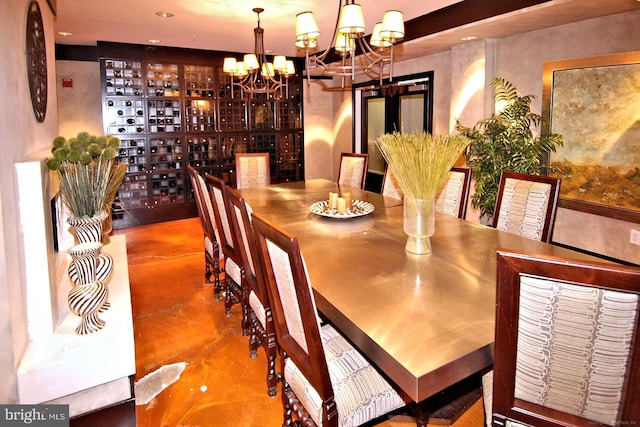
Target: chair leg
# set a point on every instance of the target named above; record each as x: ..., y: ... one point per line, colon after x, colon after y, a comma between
x: 228, y: 298
x: 272, y: 376
x: 233, y: 294
x: 254, y: 343
x: 217, y: 286
x: 287, y: 405
x: 246, y: 315
x: 207, y: 269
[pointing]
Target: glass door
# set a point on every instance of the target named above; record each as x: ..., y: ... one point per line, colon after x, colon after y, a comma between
x: 375, y: 109
x: 404, y: 106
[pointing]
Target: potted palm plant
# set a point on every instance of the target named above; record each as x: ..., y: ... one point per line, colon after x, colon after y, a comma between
x: 505, y: 142
x: 90, y: 175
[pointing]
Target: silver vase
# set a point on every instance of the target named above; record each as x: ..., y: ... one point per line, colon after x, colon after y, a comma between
x: 419, y: 224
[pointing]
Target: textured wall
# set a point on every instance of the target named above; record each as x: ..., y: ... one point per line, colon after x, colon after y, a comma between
x: 520, y: 59
x: 22, y: 137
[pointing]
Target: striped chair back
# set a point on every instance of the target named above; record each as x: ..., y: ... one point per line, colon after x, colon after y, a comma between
x: 567, y: 350
x: 526, y: 205
x: 452, y: 198
x: 353, y: 170
x: 252, y: 170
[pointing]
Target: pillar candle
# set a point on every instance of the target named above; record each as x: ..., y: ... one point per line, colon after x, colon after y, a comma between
x: 333, y: 200
x: 349, y: 200
x: 342, y: 205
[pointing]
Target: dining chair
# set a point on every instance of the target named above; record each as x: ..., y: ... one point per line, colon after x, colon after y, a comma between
x: 452, y: 198
x: 526, y: 205
x: 257, y: 315
x: 353, y: 170
x: 390, y: 187
x: 567, y: 350
x: 252, y: 170
x: 325, y: 380
x: 209, y: 229
x: 232, y: 263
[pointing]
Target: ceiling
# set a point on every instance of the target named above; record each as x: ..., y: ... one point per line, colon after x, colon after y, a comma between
x: 227, y: 25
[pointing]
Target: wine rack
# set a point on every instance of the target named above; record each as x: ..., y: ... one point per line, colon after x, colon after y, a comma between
x: 174, y: 107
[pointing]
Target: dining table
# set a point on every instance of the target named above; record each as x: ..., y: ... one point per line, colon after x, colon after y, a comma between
x: 425, y: 321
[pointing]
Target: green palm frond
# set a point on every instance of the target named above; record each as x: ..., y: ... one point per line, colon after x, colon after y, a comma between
x: 505, y: 141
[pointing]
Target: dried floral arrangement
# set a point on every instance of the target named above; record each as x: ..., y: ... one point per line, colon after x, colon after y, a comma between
x: 89, y: 170
x: 420, y: 161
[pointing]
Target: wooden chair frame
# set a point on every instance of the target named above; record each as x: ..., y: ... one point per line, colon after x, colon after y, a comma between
x: 227, y: 242
x: 253, y: 282
x: 239, y: 156
x: 510, y: 267
x: 364, y: 170
x: 212, y: 261
x: 552, y: 205
x: 313, y: 363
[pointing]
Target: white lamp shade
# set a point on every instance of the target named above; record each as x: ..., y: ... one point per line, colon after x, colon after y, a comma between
x: 306, y: 26
x: 241, y: 70
x: 306, y: 43
x: 351, y: 19
x: 392, y: 25
x: 267, y: 70
x: 344, y: 43
x: 251, y: 62
x: 376, y: 39
x: 280, y: 63
x: 229, y: 66
x: 291, y: 68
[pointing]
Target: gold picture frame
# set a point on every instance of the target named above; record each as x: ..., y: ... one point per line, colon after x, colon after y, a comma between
x: 593, y: 102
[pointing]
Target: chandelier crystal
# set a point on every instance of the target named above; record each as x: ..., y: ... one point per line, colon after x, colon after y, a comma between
x: 255, y: 74
x: 357, y: 56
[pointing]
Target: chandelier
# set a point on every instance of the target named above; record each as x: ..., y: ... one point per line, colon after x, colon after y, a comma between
x: 357, y: 56
x: 257, y: 75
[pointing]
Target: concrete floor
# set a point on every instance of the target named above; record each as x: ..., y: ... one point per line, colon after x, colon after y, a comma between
x: 208, y: 379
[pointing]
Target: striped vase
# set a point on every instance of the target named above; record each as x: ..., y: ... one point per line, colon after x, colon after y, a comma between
x: 89, y: 295
x: 88, y: 229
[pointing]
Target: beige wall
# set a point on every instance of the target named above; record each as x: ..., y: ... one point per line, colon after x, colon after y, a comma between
x: 22, y: 138
x: 79, y: 107
x: 460, y: 81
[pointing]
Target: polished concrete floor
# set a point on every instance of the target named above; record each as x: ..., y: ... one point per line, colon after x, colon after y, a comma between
x: 178, y: 324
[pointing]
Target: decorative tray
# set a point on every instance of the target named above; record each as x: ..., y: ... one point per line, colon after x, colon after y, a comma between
x: 360, y: 208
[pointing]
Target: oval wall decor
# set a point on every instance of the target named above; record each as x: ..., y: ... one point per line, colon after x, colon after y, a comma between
x: 36, y: 61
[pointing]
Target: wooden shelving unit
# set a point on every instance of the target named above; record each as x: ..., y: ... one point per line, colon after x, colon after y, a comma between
x: 174, y: 107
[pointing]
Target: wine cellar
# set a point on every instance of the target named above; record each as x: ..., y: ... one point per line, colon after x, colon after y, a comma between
x: 175, y: 107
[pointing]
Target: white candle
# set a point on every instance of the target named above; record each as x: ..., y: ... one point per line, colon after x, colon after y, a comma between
x: 333, y: 200
x: 349, y: 200
x: 342, y: 205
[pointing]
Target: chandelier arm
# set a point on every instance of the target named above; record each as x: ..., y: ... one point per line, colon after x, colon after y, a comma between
x: 260, y: 77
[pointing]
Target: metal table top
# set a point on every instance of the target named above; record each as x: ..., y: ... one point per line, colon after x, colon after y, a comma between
x: 426, y: 321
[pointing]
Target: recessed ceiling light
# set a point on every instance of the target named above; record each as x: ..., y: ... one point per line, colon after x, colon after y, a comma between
x: 64, y: 33
x: 165, y: 14
x: 467, y: 38
x: 153, y: 41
